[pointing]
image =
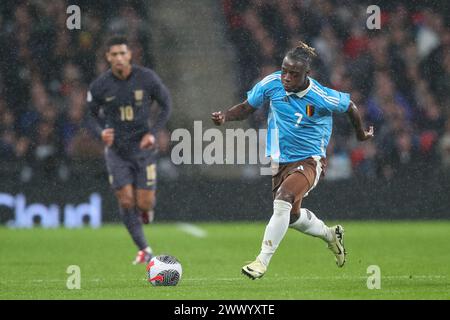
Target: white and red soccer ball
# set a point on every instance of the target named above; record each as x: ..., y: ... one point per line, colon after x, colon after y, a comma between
x: 164, y: 270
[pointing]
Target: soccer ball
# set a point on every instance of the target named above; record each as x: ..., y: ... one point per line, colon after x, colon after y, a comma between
x: 164, y: 270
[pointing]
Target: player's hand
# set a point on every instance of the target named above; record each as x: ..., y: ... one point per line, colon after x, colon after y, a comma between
x: 366, y: 134
x: 147, y: 141
x: 218, y: 118
x: 108, y: 136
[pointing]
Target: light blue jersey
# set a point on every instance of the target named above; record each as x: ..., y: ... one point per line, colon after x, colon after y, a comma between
x: 299, y: 123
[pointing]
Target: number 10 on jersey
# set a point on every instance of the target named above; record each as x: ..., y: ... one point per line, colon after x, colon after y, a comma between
x: 126, y: 113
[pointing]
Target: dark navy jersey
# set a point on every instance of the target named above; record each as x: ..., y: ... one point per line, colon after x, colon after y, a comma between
x: 124, y: 105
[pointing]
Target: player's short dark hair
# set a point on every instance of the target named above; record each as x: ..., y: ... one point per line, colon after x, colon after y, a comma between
x: 116, y: 40
x: 302, y: 52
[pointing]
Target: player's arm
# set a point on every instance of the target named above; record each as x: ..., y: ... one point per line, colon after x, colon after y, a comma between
x: 255, y: 99
x: 162, y: 96
x: 160, y: 93
x: 238, y: 112
x: 93, y: 120
x: 356, y: 120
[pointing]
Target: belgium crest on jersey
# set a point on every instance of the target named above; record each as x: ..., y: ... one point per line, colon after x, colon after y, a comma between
x: 309, y: 110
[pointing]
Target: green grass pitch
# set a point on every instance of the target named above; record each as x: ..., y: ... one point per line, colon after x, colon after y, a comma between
x: 414, y: 259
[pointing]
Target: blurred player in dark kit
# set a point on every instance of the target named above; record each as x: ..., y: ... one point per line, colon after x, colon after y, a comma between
x: 119, y: 101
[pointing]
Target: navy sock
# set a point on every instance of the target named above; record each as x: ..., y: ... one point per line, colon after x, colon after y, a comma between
x: 131, y: 220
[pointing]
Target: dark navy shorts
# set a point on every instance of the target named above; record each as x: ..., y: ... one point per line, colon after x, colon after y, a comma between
x: 137, y: 169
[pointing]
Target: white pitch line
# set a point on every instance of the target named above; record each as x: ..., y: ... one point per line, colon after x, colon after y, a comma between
x: 192, y: 230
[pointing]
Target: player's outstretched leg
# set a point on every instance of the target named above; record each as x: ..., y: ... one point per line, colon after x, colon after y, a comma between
x: 146, y: 200
x: 309, y: 224
x: 274, y: 233
x: 133, y: 223
x: 291, y: 191
x: 134, y: 226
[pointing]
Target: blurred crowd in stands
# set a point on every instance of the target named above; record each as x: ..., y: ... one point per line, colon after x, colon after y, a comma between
x: 45, y: 70
x: 399, y: 76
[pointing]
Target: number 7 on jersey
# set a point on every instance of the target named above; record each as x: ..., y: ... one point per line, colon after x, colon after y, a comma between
x: 300, y: 116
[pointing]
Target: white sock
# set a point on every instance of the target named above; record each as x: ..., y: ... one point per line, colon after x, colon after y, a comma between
x: 309, y: 224
x: 275, y: 230
x: 148, y: 250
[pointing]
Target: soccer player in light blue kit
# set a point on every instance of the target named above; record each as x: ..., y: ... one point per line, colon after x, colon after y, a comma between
x: 299, y: 129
